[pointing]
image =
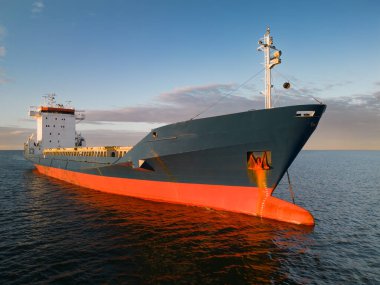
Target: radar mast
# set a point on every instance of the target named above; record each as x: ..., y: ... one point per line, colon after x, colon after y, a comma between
x: 271, y: 58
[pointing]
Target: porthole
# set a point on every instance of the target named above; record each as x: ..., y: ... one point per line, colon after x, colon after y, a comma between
x: 154, y: 134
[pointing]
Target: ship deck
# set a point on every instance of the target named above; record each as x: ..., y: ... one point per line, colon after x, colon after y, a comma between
x: 101, y: 151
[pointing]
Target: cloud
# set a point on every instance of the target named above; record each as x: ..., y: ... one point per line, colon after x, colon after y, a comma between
x: 377, y: 96
x: 178, y: 105
x: 208, y: 100
x: 37, y: 6
x: 350, y: 122
x: 102, y: 137
x: 13, y: 137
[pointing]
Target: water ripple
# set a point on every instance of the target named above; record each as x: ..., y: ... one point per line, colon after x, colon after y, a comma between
x: 54, y: 232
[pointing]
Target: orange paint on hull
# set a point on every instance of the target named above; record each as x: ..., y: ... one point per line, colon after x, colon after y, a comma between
x: 248, y: 200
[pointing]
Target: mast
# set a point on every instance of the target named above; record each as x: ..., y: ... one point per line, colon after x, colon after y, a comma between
x: 270, y: 60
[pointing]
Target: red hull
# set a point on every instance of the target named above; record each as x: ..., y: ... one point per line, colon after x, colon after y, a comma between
x: 248, y: 200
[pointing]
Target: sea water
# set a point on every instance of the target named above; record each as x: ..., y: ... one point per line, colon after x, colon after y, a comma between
x: 55, y: 232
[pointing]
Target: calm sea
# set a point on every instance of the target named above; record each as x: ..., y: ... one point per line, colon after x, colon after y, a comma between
x: 54, y: 232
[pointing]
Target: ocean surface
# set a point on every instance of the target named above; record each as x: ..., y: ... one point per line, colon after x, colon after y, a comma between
x: 54, y: 232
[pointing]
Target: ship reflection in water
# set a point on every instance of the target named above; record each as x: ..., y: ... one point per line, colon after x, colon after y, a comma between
x: 89, y: 235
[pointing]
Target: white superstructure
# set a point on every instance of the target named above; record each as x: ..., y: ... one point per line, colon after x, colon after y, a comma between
x: 55, y: 126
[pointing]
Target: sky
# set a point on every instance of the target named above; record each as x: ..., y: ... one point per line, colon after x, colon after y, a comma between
x: 136, y: 65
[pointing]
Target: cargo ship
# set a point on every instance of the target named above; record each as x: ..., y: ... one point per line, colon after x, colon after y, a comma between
x: 230, y: 162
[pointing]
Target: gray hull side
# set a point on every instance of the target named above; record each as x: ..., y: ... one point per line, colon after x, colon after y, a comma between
x: 208, y: 151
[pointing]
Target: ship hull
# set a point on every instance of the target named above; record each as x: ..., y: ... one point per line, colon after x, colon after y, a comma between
x: 231, y: 162
x: 241, y: 199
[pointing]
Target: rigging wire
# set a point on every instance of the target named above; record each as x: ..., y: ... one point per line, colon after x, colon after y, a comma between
x: 228, y: 94
x: 295, y: 89
x: 277, y: 97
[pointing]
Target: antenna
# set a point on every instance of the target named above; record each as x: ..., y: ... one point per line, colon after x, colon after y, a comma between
x: 50, y: 99
x: 271, y: 59
x: 45, y: 100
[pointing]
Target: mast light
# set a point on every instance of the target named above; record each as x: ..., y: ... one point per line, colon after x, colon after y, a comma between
x: 277, y: 53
